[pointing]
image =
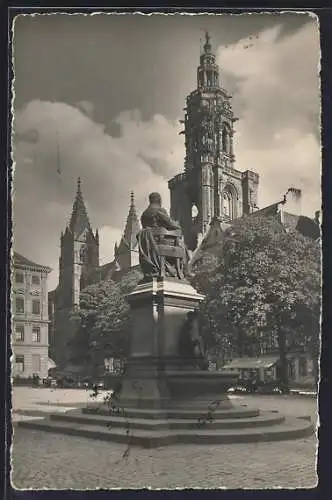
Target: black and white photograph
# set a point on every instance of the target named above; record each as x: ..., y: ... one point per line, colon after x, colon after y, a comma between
x: 166, y: 250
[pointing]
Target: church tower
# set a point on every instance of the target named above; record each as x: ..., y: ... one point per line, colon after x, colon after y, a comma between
x: 210, y: 187
x: 79, y: 256
x: 126, y: 254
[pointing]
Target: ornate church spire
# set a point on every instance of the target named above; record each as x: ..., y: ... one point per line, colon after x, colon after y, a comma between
x: 208, y: 71
x: 132, y: 225
x: 79, y: 218
x: 207, y: 46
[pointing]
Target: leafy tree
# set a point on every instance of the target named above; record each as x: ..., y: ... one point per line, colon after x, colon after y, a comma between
x: 104, y: 320
x: 263, y: 288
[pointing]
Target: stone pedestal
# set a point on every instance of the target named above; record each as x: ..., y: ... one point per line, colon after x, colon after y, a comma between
x: 161, y: 404
x: 159, y: 309
x: 155, y: 377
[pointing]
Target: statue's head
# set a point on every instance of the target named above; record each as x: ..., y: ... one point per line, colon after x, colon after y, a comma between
x: 155, y: 199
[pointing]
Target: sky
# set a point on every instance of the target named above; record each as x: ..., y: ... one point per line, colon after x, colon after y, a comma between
x: 110, y: 91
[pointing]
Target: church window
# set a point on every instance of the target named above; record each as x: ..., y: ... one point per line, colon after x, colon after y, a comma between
x: 226, y: 139
x: 227, y: 205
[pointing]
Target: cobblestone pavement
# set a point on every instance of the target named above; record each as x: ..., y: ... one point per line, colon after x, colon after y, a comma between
x: 30, y: 403
x: 43, y: 460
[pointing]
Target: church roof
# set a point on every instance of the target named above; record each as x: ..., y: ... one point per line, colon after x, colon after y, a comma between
x: 132, y: 227
x: 21, y: 261
x: 305, y: 225
x: 79, y: 218
x: 213, y: 238
x: 101, y: 273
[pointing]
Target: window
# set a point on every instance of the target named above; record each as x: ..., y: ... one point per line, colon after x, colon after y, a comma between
x: 19, y: 362
x: 19, y: 305
x: 36, y: 334
x: 227, y: 205
x: 226, y: 143
x: 35, y: 279
x: 36, y: 307
x: 35, y: 363
x: 19, y: 277
x: 19, y: 333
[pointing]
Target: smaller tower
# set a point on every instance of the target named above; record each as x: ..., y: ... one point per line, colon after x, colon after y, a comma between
x: 79, y: 257
x: 126, y: 253
x: 250, y: 182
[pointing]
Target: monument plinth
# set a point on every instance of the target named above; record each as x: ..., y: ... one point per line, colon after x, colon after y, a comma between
x: 156, y: 375
x: 168, y: 395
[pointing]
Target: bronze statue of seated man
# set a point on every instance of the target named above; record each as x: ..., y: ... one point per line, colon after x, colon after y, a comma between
x: 162, y: 252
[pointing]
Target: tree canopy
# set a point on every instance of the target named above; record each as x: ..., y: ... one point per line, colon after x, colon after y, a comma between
x: 263, y: 288
x: 105, y: 320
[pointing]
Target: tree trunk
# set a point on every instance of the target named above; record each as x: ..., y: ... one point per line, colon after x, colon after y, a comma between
x: 283, y: 359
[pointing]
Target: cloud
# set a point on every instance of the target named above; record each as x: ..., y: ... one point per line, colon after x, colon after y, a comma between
x: 141, y: 158
x: 108, y: 236
x: 86, y: 107
x: 275, y: 89
x: 277, y: 100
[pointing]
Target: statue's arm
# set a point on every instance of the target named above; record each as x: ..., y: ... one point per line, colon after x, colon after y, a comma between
x: 166, y: 221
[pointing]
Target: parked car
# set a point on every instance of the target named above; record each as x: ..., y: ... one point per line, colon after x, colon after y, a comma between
x: 259, y: 387
x: 49, y: 382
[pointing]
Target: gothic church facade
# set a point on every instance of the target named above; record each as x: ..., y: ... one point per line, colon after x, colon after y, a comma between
x: 79, y: 266
x: 210, y: 187
x: 205, y: 198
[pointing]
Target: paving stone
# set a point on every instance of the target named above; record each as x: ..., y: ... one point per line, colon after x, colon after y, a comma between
x: 45, y: 461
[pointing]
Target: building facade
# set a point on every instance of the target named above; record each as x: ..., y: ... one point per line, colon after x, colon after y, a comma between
x: 79, y: 256
x: 205, y: 198
x: 210, y: 187
x: 79, y: 267
x: 30, y: 320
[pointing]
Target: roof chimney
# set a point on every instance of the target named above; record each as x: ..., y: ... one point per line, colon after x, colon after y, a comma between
x: 293, y: 201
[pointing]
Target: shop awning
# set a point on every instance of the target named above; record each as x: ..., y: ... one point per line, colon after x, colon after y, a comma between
x: 251, y: 363
x: 50, y: 364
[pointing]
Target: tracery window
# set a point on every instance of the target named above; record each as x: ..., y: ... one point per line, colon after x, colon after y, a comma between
x: 227, y: 202
x: 194, y: 211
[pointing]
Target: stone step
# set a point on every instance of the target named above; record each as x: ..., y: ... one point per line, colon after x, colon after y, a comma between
x: 22, y: 418
x: 291, y: 428
x: 31, y: 413
x: 239, y: 412
x: 40, y: 411
x: 112, y: 421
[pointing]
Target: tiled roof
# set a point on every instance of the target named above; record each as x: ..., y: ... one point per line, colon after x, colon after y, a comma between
x: 132, y: 228
x: 79, y: 218
x: 267, y: 211
x: 20, y: 260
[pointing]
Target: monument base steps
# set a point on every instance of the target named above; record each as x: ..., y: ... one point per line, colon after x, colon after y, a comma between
x: 156, y: 429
